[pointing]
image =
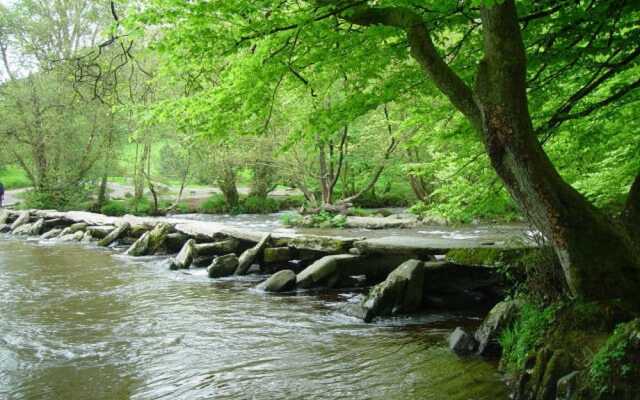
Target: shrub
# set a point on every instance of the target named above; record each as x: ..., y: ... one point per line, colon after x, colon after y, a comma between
x: 214, y: 205
x: 259, y: 205
x: 63, y: 200
x: 114, y: 208
x: 526, y: 334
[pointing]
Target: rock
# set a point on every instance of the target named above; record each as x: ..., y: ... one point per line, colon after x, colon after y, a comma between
x: 5, y: 228
x: 4, y: 216
x: 217, y: 248
x: 462, y: 343
x: 22, y: 229
x: 138, y: 230
x: 175, y: 242
x: 320, y: 272
x: 87, y: 237
x: 281, y: 281
x: 249, y: 256
x: 77, y: 227
x: 559, y: 365
x: 115, y: 234
x: 185, y: 257
x: 501, y: 316
x: 23, y: 218
x: 100, y: 231
x: 36, y: 228
x: 72, y: 237
x: 322, y: 244
x: 401, y: 292
x: 567, y: 387
x: 56, y: 223
x: 380, y: 222
x: 277, y: 255
x: 150, y: 242
x: 51, y: 234
x: 223, y: 266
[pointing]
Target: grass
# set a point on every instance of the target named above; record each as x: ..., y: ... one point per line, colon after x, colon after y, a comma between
x: 13, y: 177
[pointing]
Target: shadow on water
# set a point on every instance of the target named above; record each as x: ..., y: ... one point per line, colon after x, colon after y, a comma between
x: 81, y: 323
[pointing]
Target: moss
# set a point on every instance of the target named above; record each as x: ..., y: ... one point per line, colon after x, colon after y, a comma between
x: 615, y: 369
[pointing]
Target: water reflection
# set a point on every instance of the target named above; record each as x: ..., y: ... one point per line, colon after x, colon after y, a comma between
x: 79, y: 323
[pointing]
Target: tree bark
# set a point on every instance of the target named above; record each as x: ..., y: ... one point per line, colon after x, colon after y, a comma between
x: 599, y: 259
x: 631, y: 213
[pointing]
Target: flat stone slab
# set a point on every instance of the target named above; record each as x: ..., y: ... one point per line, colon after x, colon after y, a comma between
x: 422, y: 247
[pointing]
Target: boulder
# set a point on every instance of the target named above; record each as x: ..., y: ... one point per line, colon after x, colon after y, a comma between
x: 462, y: 343
x: 185, y: 257
x: 22, y: 229
x: 53, y: 233
x: 277, y: 255
x: 400, y: 293
x: 223, y: 266
x: 150, y: 242
x: 71, y: 237
x: 324, y: 244
x: 56, y: 223
x: 87, y: 237
x: 4, y: 216
x: 567, y: 387
x: 501, y: 316
x: 175, y: 241
x: 36, y: 228
x: 115, y: 234
x: 5, y: 228
x: 77, y: 227
x: 22, y: 219
x: 281, y: 281
x: 249, y: 256
x: 323, y: 272
x: 220, y: 248
x: 100, y: 231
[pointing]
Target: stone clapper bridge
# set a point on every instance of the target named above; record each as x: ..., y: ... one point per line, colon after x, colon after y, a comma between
x: 408, y: 274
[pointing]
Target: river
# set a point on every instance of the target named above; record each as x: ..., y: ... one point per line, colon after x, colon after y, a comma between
x: 78, y: 322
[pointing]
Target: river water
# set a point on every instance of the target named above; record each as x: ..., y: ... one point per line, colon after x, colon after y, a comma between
x: 84, y: 323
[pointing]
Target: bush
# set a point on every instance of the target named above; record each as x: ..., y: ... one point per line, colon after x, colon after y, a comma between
x: 114, y: 208
x: 322, y: 219
x: 13, y: 177
x: 214, y: 205
x: 259, y: 205
x: 63, y: 200
x: 526, y: 334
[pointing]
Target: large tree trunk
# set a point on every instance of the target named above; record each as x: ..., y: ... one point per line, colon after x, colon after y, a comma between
x: 631, y: 213
x: 599, y: 258
x: 228, y: 187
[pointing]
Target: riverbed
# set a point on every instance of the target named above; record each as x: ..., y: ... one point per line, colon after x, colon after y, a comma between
x: 78, y: 322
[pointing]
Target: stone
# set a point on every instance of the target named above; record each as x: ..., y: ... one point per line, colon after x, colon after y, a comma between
x: 87, y: 237
x: 53, y: 233
x: 220, y: 248
x: 115, y: 234
x: 223, y: 266
x: 100, y: 231
x: 281, y: 281
x: 567, y: 387
x: 22, y: 219
x: 36, y: 228
x: 402, y: 292
x: 185, y: 257
x: 72, y: 237
x: 77, y: 227
x: 150, y: 242
x: 5, y: 228
x: 322, y: 244
x: 277, y: 255
x: 4, y: 216
x: 501, y: 316
x: 56, y: 223
x: 175, y: 241
x: 559, y: 365
x: 22, y: 229
x: 462, y: 343
x: 249, y: 256
x: 320, y: 272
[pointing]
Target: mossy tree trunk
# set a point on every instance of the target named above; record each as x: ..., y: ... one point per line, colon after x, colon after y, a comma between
x: 599, y: 256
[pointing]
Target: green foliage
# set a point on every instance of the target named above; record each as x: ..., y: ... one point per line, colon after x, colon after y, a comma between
x: 62, y: 200
x: 615, y: 368
x: 259, y: 205
x: 114, y: 208
x: 13, y: 177
x: 214, y: 205
x: 526, y: 334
